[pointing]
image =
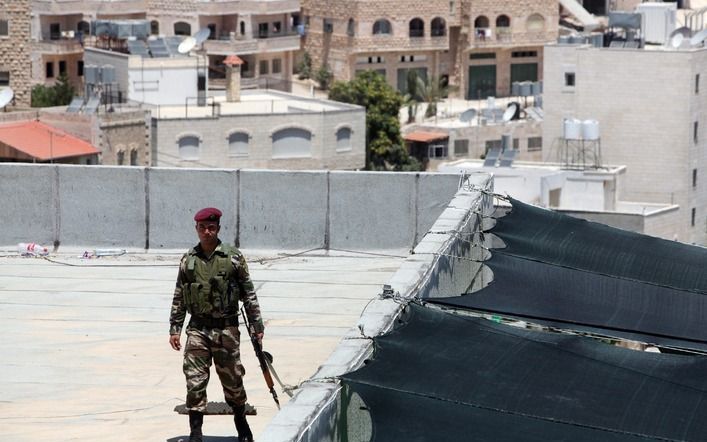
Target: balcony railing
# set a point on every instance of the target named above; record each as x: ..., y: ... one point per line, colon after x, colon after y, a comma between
x: 263, y: 42
x: 62, y: 45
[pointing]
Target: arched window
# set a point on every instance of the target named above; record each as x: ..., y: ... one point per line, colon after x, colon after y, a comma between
x: 133, y: 157
x: 438, y: 28
x: 481, y: 22
x: 83, y: 27
x: 382, y: 26
x: 417, y: 27
x: 292, y: 143
x: 189, y: 148
x: 182, y: 28
x: 503, y: 21
x: 154, y: 27
x: 351, y: 28
x: 535, y: 23
x: 242, y: 28
x: 238, y: 144
x: 343, y: 139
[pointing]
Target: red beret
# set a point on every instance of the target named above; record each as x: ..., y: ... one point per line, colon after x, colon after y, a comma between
x: 208, y: 214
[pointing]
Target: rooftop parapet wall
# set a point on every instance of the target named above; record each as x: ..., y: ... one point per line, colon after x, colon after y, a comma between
x: 445, y: 261
x: 140, y: 208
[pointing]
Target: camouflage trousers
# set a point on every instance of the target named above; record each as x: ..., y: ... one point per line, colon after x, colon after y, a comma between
x: 223, y: 347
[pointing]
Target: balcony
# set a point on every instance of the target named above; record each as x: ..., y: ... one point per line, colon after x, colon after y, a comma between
x: 219, y: 7
x: 53, y: 45
x: 374, y: 43
x: 265, y: 42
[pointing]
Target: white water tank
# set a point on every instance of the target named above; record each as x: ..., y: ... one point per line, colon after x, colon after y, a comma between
x: 659, y: 20
x: 590, y: 130
x: 572, y: 129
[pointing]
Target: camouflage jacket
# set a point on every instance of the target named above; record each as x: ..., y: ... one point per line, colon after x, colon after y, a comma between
x: 212, y: 286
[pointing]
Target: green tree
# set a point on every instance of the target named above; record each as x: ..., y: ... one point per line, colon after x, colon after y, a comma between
x: 384, y: 144
x: 432, y: 92
x: 60, y: 94
x: 304, y: 67
x: 323, y: 76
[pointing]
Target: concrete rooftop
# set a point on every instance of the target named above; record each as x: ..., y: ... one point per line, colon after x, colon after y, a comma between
x: 87, y: 356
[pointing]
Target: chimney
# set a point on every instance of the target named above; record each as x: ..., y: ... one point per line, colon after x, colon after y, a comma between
x: 233, y: 78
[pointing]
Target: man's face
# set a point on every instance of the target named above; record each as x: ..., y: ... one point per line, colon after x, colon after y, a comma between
x: 208, y: 232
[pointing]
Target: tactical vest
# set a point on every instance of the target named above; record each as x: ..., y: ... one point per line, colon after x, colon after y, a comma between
x: 209, y: 288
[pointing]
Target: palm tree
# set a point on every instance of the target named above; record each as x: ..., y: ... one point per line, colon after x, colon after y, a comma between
x: 431, y: 92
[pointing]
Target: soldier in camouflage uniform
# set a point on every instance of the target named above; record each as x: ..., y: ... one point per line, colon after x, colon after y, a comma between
x: 212, y: 278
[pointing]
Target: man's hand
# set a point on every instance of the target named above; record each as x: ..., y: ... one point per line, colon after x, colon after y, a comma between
x: 174, y: 342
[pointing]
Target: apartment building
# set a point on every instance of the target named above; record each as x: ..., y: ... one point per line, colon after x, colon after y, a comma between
x: 480, y: 47
x: 263, y: 34
x: 650, y: 105
x: 14, y: 51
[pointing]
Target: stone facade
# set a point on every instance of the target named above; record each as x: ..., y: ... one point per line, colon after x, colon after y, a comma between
x: 341, y: 36
x: 15, y: 50
x: 650, y: 106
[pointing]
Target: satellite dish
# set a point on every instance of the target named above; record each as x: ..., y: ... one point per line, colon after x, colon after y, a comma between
x: 510, y: 112
x: 202, y: 35
x: 698, y: 38
x: 684, y: 30
x: 467, y: 115
x: 6, y: 96
x: 186, y: 45
x: 676, y: 41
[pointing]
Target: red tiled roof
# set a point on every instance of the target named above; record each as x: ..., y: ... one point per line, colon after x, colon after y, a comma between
x: 43, y: 142
x: 425, y: 137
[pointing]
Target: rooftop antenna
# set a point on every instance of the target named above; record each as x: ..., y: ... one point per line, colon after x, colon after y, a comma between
x: 186, y: 45
x: 698, y: 38
x: 6, y: 96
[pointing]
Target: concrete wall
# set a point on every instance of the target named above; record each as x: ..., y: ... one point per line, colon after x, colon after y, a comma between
x: 138, y: 208
x: 315, y: 412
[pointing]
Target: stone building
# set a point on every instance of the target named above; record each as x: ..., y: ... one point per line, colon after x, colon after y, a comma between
x: 15, y: 50
x: 481, y: 47
x: 263, y: 34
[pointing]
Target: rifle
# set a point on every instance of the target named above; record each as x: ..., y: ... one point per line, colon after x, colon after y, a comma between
x: 264, y: 358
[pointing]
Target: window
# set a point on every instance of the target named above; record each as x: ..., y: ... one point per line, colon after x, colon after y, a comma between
x: 695, y: 129
x: 569, y: 79
x: 54, y: 31
x: 516, y: 143
x: 694, y: 177
x: 264, y: 67
x: 238, y: 144
x: 83, y: 27
x: 438, y: 28
x: 242, y: 28
x: 120, y: 158
x: 461, y: 148
x: 481, y: 22
x: 189, y: 148
x: 381, y: 27
x: 182, y: 28
x: 343, y: 139
x: 212, y: 28
x: 4, y: 78
x: 49, y: 70
x: 417, y: 27
x: 535, y: 23
x: 697, y: 83
x: 535, y: 144
x: 133, y: 157
x: 262, y: 30
x: 437, y: 150
x: 328, y: 26
x: 292, y: 143
x: 276, y: 66
x: 79, y: 68
x: 351, y: 28
x: 503, y: 21
x: 4, y: 28
x: 482, y: 56
x: 693, y: 214
x: 62, y: 67
x: 523, y: 54
x: 154, y: 27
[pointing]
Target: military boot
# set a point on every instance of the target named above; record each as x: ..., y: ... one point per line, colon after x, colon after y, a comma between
x: 196, y: 418
x: 244, y: 433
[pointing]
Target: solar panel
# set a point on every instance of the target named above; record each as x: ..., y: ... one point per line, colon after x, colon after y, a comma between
x: 158, y: 48
x: 92, y: 106
x: 173, y: 44
x: 138, y: 47
x: 491, y: 157
x: 75, y: 105
x: 507, y: 158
